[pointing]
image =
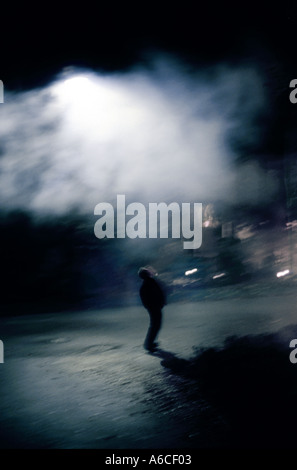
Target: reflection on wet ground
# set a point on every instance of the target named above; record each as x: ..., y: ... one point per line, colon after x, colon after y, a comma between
x: 242, y: 395
x: 85, y: 381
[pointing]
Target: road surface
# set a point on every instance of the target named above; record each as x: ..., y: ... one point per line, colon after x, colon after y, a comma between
x: 83, y: 380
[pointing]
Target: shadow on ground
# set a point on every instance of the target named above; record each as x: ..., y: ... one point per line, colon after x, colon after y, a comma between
x: 248, y: 391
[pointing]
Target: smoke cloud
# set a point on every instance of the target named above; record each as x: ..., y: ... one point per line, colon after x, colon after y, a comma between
x: 154, y: 134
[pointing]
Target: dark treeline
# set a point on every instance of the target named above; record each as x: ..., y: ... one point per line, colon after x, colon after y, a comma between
x: 57, y: 263
x: 39, y: 262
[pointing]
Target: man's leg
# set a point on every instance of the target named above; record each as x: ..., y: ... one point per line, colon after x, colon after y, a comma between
x: 154, y: 328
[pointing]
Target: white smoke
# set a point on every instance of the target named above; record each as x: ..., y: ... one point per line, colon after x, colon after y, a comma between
x: 157, y: 134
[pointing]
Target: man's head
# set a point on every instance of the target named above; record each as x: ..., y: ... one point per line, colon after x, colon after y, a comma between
x: 144, y: 273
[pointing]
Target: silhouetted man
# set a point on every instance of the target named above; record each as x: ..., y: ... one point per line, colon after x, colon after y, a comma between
x: 153, y: 299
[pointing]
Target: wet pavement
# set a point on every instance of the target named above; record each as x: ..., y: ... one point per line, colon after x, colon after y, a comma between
x: 83, y: 380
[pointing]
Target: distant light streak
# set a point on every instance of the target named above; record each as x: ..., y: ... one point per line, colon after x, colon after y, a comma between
x: 191, y: 271
x: 217, y: 276
x: 282, y: 273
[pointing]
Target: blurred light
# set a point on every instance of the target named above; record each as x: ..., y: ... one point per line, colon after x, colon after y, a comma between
x: 76, y: 84
x: 217, y: 276
x: 93, y: 107
x: 191, y: 271
x: 77, y: 88
x: 282, y: 273
x: 291, y: 225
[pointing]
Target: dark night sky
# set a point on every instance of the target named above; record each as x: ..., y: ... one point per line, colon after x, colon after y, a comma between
x: 38, y: 41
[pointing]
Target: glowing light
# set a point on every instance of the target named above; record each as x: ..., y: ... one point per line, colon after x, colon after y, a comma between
x: 77, y: 88
x: 282, y: 273
x: 79, y: 93
x: 217, y: 276
x: 191, y: 271
x: 76, y: 83
x: 96, y: 108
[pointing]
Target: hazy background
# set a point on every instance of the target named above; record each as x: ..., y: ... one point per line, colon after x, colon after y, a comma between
x: 172, y: 107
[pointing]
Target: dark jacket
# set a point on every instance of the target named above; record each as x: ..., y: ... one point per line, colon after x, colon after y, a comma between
x: 152, y: 295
